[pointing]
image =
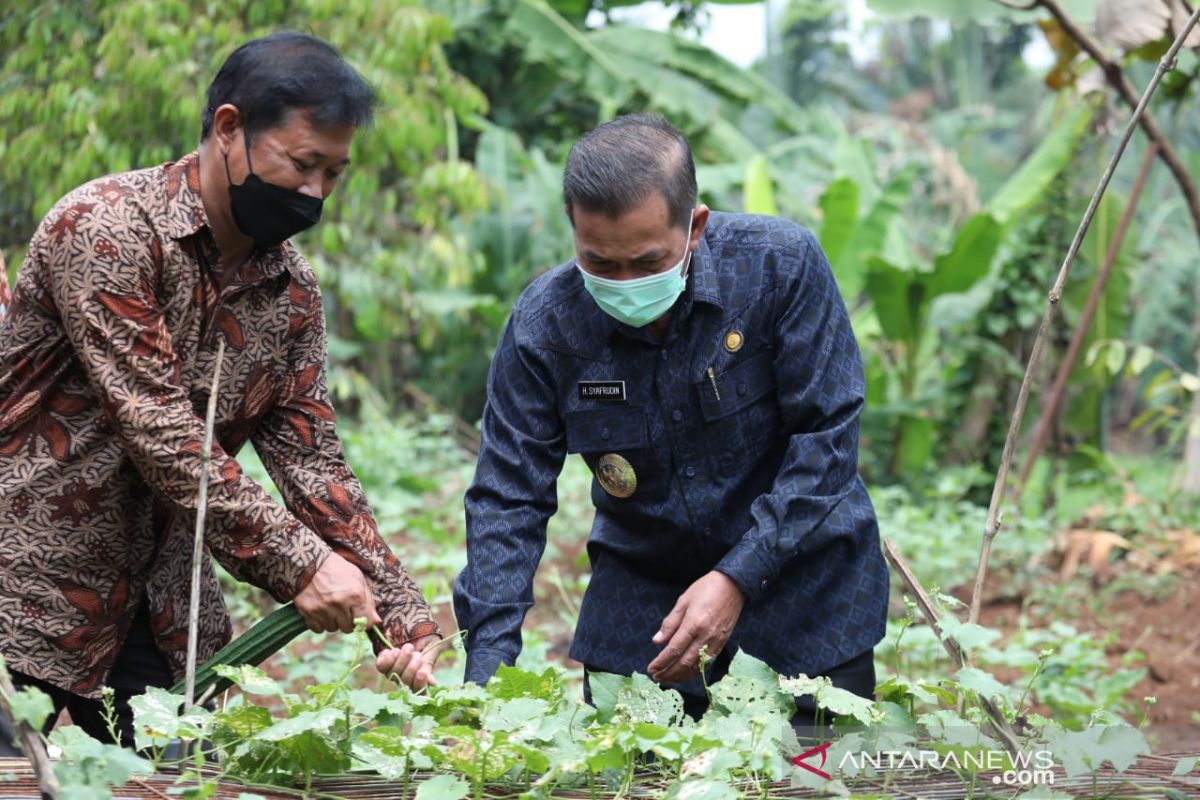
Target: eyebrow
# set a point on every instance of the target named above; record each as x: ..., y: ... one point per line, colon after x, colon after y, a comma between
x: 649, y: 255
x: 317, y: 155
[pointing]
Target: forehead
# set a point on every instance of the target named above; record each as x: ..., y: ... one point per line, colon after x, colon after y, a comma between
x: 639, y: 229
x: 298, y: 132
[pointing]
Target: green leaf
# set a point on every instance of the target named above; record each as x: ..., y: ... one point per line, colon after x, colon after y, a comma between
x: 371, y: 704
x: 250, y: 679
x: 871, y: 234
x: 1031, y: 180
x: 898, y: 297
x: 917, y: 437
x: 845, y: 703
x: 1085, y: 751
x: 1184, y: 766
x: 605, y: 688
x: 158, y: 718
x: 982, y: 683
x: 1142, y: 357
x: 759, y: 192
x: 32, y: 706
x: 510, y: 683
x: 443, y: 787
x: 318, y: 722
x: 839, y: 219
x: 1115, y: 357
x: 969, y: 635
x: 515, y: 714
x: 969, y: 260
x: 550, y: 39
x: 643, y: 700
x: 951, y: 729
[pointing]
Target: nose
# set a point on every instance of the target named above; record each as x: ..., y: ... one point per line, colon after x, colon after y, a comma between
x: 313, y: 187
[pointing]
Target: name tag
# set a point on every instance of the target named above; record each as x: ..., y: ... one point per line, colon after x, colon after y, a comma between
x: 602, y: 390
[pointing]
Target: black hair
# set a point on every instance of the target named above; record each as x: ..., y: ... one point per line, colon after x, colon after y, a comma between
x: 615, y: 167
x: 269, y: 77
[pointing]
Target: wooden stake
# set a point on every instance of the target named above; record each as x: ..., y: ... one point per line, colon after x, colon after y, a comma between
x: 1054, y: 399
x: 31, y: 740
x: 198, y: 538
x: 1007, y: 737
x: 992, y: 526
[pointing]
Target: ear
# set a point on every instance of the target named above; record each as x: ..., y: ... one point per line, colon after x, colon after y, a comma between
x: 699, y: 220
x: 227, y: 126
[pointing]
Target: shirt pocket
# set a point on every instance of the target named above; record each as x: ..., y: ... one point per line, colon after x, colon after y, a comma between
x: 619, y: 430
x: 742, y: 385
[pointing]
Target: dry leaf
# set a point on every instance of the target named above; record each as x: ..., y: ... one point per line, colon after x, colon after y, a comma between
x: 1129, y: 24
x: 1092, y: 545
x: 1179, y: 18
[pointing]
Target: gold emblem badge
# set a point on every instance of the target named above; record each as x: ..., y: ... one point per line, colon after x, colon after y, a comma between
x: 616, y: 475
x: 733, y: 341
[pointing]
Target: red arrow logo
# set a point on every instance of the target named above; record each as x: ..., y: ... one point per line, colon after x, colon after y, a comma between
x: 821, y: 748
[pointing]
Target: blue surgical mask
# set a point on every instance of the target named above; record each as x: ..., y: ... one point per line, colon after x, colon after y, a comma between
x: 639, y: 301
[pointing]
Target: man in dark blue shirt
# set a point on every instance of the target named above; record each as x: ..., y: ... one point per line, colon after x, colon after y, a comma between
x: 704, y: 367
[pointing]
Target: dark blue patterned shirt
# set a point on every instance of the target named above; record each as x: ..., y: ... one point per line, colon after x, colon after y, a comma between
x: 740, y: 430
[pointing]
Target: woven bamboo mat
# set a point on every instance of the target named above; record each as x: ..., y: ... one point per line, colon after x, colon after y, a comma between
x: 1150, y: 777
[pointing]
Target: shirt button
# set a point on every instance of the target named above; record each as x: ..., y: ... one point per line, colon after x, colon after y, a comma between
x: 742, y: 389
x: 604, y: 434
x: 663, y: 355
x: 690, y: 472
x: 708, y: 531
x: 677, y: 415
x: 763, y: 585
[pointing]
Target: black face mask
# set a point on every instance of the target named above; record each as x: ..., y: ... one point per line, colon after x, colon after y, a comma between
x: 267, y: 213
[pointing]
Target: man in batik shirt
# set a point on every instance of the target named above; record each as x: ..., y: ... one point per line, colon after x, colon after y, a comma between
x: 108, y: 346
x: 704, y: 366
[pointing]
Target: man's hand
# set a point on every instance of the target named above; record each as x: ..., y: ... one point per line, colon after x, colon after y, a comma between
x: 704, y: 615
x: 409, y: 664
x: 336, y: 596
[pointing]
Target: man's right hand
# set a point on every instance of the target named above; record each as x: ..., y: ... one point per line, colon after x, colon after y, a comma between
x: 336, y: 596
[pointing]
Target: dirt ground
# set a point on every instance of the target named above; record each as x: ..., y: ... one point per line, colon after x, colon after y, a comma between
x: 1164, y: 630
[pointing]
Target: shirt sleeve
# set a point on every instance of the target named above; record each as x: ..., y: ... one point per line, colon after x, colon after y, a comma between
x: 299, y: 446
x: 821, y: 390
x: 5, y: 295
x: 104, y: 277
x: 508, y: 504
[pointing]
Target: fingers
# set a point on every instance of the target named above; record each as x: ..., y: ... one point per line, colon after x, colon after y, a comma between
x: 370, y: 612
x: 337, y: 594
x: 408, y: 666
x: 671, y: 661
x: 670, y: 623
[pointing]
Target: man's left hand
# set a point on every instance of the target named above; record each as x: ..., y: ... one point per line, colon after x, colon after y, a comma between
x: 704, y: 615
x: 408, y: 663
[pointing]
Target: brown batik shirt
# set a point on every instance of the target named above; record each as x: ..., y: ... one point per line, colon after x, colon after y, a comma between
x: 108, y: 345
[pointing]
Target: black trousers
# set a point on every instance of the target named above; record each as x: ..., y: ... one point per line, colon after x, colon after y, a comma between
x: 139, y: 664
x: 856, y: 675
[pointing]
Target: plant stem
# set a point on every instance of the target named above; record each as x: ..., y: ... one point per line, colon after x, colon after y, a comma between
x: 198, y: 538
x: 1054, y: 400
x: 992, y: 526
x: 949, y: 642
x: 30, y: 740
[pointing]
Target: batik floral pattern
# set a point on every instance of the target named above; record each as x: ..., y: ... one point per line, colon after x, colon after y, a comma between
x: 108, y: 345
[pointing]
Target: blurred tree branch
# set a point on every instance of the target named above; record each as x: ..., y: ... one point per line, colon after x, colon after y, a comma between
x: 1116, y: 77
x: 994, y: 517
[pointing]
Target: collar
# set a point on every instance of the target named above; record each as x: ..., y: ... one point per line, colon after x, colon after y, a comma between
x: 702, y: 281
x: 186, y: 217
x: 184, y: 204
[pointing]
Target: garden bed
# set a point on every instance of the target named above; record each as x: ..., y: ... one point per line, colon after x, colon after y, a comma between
x: 1150, y: 776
